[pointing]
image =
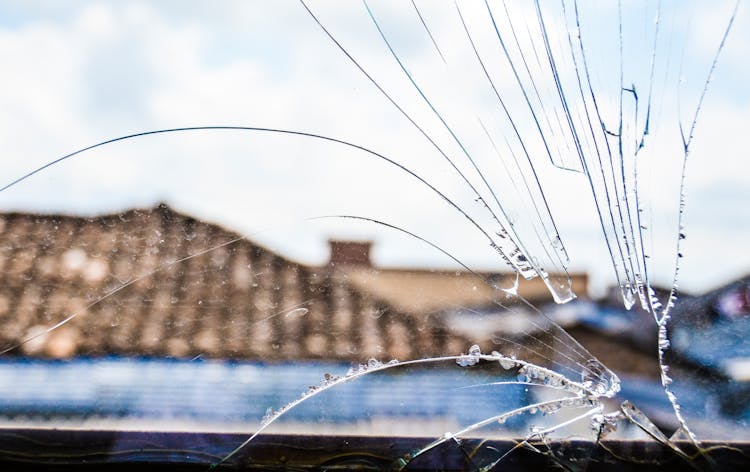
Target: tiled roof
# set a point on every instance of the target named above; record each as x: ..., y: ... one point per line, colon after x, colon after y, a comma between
x: 145, y: 283
x: 430, y: 291
x: 157, y: 283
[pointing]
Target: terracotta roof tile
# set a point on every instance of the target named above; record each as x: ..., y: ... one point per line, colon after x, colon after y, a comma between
x: 144, y: 283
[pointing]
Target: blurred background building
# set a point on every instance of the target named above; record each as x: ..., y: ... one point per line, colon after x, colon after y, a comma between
x: 161, y: 319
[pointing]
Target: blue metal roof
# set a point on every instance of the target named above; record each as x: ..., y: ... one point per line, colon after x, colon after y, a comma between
x: 713, y: 343
x: 220, y: 391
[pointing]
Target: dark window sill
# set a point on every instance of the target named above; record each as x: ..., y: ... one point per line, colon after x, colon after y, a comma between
x: 54, y: 449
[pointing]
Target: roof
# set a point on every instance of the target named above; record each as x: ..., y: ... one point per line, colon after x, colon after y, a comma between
x: 154, y: 282
x: 166, y: 393
x: 729, y: 302
x: 711, y: 330
x: 430, y: 291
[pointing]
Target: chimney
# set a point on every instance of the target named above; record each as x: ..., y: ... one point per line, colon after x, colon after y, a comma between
x: 350, y: 253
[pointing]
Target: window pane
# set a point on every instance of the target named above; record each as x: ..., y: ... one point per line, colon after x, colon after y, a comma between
x: 428, y: 223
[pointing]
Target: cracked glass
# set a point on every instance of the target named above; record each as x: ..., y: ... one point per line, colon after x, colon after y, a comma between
x: 460, y: 235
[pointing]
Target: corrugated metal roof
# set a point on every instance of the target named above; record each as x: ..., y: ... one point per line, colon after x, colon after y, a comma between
x: 160, y: 390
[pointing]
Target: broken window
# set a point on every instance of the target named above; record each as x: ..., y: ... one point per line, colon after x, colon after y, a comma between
x: 461, y: 225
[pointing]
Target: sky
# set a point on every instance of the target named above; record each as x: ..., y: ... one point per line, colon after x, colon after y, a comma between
x: 77, y: 73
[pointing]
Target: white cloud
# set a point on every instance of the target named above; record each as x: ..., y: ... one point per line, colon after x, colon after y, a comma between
x: 109, y: 68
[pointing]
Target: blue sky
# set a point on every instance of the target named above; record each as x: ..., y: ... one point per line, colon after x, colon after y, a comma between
x: 76, y: 73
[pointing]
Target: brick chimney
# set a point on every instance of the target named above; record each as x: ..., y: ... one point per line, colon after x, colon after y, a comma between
x: 350, y: 253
